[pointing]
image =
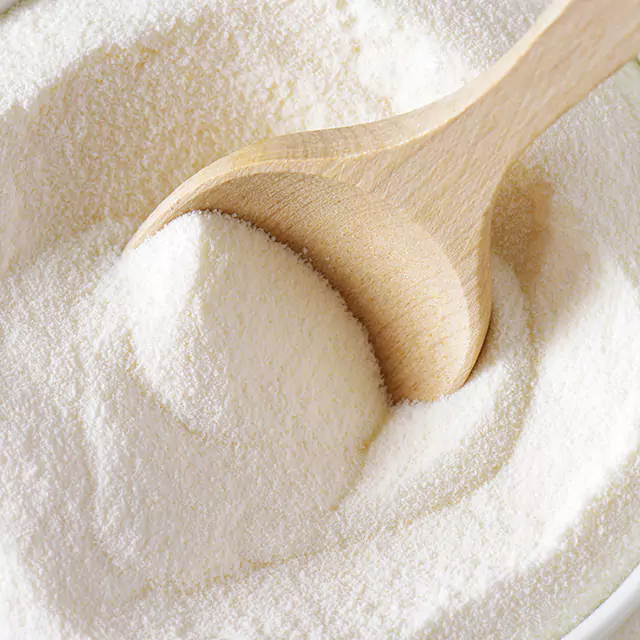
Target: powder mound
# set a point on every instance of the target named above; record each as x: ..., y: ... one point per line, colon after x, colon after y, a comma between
x: 430, y: 455
x: 223, y: 437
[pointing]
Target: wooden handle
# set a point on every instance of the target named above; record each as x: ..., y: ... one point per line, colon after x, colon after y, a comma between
x: 573, y: 46
x: 449, y: 156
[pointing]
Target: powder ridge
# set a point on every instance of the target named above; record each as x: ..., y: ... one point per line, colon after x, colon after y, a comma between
x: 257, y: 422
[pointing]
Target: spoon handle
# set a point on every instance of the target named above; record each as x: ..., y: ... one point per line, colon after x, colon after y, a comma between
x: 573, y: 46
x: 449, y: 156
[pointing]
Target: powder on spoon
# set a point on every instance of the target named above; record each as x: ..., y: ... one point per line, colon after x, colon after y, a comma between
x: 257, y: 421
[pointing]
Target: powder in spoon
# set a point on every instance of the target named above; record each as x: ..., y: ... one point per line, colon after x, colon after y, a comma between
x: 233, y: 433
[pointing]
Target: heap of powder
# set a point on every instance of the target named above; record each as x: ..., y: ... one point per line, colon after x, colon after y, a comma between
x: 230, y: 378
x: 508, y: 509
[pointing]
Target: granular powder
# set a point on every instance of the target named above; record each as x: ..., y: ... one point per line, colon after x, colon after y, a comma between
x: 508, y: 509
x: 226, y: 378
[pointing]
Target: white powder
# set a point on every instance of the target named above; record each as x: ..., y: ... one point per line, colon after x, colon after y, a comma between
x: 508, y: 509
x: 231, y: 401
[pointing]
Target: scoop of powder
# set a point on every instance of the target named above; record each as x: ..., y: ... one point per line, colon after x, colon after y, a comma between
x: 233, y: 434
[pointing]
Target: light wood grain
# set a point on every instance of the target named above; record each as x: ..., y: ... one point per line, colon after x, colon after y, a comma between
x: 397, y: 213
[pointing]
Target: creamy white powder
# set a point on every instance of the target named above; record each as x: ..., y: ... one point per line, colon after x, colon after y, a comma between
x: 228, y: 405
x: 508, y: 509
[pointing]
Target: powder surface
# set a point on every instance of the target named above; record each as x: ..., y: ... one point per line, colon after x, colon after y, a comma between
x: 228, y: 378
x: 508, y: 509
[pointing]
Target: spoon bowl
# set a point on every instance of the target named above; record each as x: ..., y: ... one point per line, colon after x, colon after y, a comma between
x: 377, y: 255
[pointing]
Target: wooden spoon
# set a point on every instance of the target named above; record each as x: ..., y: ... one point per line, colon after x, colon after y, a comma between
x: 397, y: 213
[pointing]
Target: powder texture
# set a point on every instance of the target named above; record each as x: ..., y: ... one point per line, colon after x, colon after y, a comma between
x: 228, y: 379
x: 508, y: 509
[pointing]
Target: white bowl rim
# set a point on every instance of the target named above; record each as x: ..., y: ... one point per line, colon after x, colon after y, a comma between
x: 612, y: 613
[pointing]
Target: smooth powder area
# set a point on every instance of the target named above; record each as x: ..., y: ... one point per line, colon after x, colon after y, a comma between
x: 195, y: 441
x: 242, y: 385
